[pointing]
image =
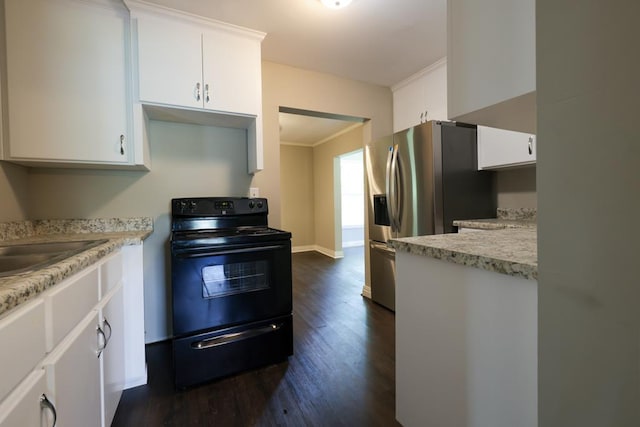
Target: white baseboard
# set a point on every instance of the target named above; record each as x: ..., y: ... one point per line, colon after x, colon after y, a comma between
x: 307, y: 248
x: 328, y: 252
x: 135, y: 382
x: 366, y: 291
x: 324, y: 251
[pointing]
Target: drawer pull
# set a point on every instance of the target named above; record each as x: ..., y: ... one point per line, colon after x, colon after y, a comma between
x: 102, y: 343
x: 238, y: 336
x: 45, y: 403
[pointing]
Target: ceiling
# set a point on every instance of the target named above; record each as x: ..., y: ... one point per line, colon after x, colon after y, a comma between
x: 304, y: 130
x: 376, y: 41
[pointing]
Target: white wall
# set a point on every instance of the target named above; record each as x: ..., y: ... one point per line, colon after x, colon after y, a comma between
x: 297, y: 195
x: 588, y: 68
x: 285, y: 86
x: 187, y: 160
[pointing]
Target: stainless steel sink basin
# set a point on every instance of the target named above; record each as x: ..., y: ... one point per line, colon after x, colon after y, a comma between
x: 15, y: 259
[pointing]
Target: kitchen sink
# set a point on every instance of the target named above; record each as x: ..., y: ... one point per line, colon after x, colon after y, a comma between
x: 15, y: 259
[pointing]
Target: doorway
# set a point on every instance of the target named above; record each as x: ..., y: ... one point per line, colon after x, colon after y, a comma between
x: 351, y: 207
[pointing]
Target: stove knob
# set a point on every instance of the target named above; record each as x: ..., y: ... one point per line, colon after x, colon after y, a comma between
x: 192, y: 206
x: 259, y: 205
x: 251, y: 204
x: 182, y: 206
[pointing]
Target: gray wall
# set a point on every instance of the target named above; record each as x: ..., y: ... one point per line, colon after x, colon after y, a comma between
x: 13, y: 192
x: 517, y: 188
x: 588, y: 68
x: 187, y: 160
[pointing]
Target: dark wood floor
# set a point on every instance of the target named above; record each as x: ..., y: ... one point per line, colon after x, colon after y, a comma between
x: 342, y: 372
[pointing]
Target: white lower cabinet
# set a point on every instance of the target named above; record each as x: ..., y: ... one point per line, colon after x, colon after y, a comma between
x: 80, y: 380
x: 22, y: 407
x: 466, y: 345
x: 112, y: 359
x: 73, y: 375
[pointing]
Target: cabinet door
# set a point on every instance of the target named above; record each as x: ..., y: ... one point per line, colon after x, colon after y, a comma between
x: 231, y: 70
x: 61, y: 315
x: 502, y: 148
x: 67, y: 81
x: 22, y: 407
x: 112, y: 375
x: 73, y: 376
x: 22, y: 334
x: 409, y: 105
x: 169, y: 63
x: 421, y: 97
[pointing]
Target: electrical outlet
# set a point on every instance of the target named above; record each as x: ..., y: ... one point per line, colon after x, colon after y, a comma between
x: 254, y: 192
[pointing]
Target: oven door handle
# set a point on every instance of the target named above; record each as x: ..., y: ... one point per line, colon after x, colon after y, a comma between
x: 237, y: 336
x: 191, y: 253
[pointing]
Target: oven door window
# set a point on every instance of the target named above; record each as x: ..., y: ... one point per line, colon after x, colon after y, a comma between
x: 234, y: 278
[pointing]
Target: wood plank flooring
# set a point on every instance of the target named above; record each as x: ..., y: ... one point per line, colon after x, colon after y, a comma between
x: 342, y: 372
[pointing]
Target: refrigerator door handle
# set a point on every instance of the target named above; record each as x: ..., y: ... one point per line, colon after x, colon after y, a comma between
x: 395, y: 183
x: 390, y: 188
x: 398, y: 196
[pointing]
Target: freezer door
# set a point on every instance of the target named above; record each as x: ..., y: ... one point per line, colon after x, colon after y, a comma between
x: 415, y: 177
x: 383, y: 274
x: 376, y: 154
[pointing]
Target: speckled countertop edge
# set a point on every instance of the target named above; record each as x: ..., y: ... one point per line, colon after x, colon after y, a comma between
x: 507, y: 251
x: 19, y: 288
x: 506, y: 218
x: 494, y: 223
x: 47, y: 227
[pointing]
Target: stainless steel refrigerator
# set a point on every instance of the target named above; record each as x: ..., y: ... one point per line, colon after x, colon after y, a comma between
x: 418, y: 182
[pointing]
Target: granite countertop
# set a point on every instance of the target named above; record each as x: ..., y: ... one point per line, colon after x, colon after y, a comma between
x: 506, y: 218
x: 511, y: 251
x: 494, y: 223
x: 19, y: 288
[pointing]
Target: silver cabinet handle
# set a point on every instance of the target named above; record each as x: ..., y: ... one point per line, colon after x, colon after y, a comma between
x: 101, y: 344
x: 108, y: 325
x: 198, y: 96
x: 122, y: 145
x: 530, y: 145
x: 206, y: 93
x: 45, y: 403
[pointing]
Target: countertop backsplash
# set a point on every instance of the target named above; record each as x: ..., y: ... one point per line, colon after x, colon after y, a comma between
x: 526, y: 214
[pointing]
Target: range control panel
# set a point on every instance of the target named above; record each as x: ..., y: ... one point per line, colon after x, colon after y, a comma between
x: 218, y: 206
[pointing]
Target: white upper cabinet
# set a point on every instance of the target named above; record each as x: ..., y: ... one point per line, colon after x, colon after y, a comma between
x: 491, y: 63
x: 231, y: 73
x: 169, y: 63
x: 197, y: 70
x: 68, y: 83
x: 499, y: 148
x: 185, y: 65
x: 421, y: 97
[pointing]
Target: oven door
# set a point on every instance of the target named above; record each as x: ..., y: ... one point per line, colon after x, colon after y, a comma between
x: 224, y: 285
